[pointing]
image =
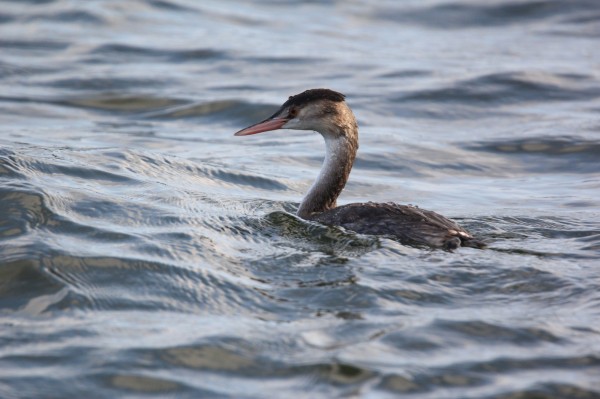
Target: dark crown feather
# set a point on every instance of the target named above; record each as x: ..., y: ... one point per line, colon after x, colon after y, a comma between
x: 312, y: 95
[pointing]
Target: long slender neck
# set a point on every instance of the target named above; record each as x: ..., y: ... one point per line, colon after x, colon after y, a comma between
x: 341, y: 146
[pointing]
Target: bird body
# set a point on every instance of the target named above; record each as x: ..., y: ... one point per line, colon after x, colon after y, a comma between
x: 326, y: 112
x: 407, y: 223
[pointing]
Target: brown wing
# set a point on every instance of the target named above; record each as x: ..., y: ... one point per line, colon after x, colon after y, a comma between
x: 408, y: 224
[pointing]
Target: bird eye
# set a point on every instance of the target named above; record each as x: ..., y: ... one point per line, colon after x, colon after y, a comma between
x: 293, y: 112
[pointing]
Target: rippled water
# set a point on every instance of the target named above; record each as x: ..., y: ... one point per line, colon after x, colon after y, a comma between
x: 146, y: 252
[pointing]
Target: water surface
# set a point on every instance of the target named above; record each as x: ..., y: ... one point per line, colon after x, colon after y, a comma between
x: 146, y: 252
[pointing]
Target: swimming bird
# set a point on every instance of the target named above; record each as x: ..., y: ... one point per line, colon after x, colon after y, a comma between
x: 326, y: 112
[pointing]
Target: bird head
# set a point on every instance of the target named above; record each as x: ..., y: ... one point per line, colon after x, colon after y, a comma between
x: 315, y: 109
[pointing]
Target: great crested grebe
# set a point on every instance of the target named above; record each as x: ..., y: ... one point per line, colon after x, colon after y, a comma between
x: 326, y: 112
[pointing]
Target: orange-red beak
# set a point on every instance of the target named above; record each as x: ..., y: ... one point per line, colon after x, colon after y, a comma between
x: 264, y: 126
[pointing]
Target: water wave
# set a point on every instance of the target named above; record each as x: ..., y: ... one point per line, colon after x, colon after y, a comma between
x: 145, y: 251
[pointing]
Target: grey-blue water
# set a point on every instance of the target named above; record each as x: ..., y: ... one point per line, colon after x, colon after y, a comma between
x: 146, y: 252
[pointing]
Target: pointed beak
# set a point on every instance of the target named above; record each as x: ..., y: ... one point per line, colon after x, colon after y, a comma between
x: 264, y: 126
